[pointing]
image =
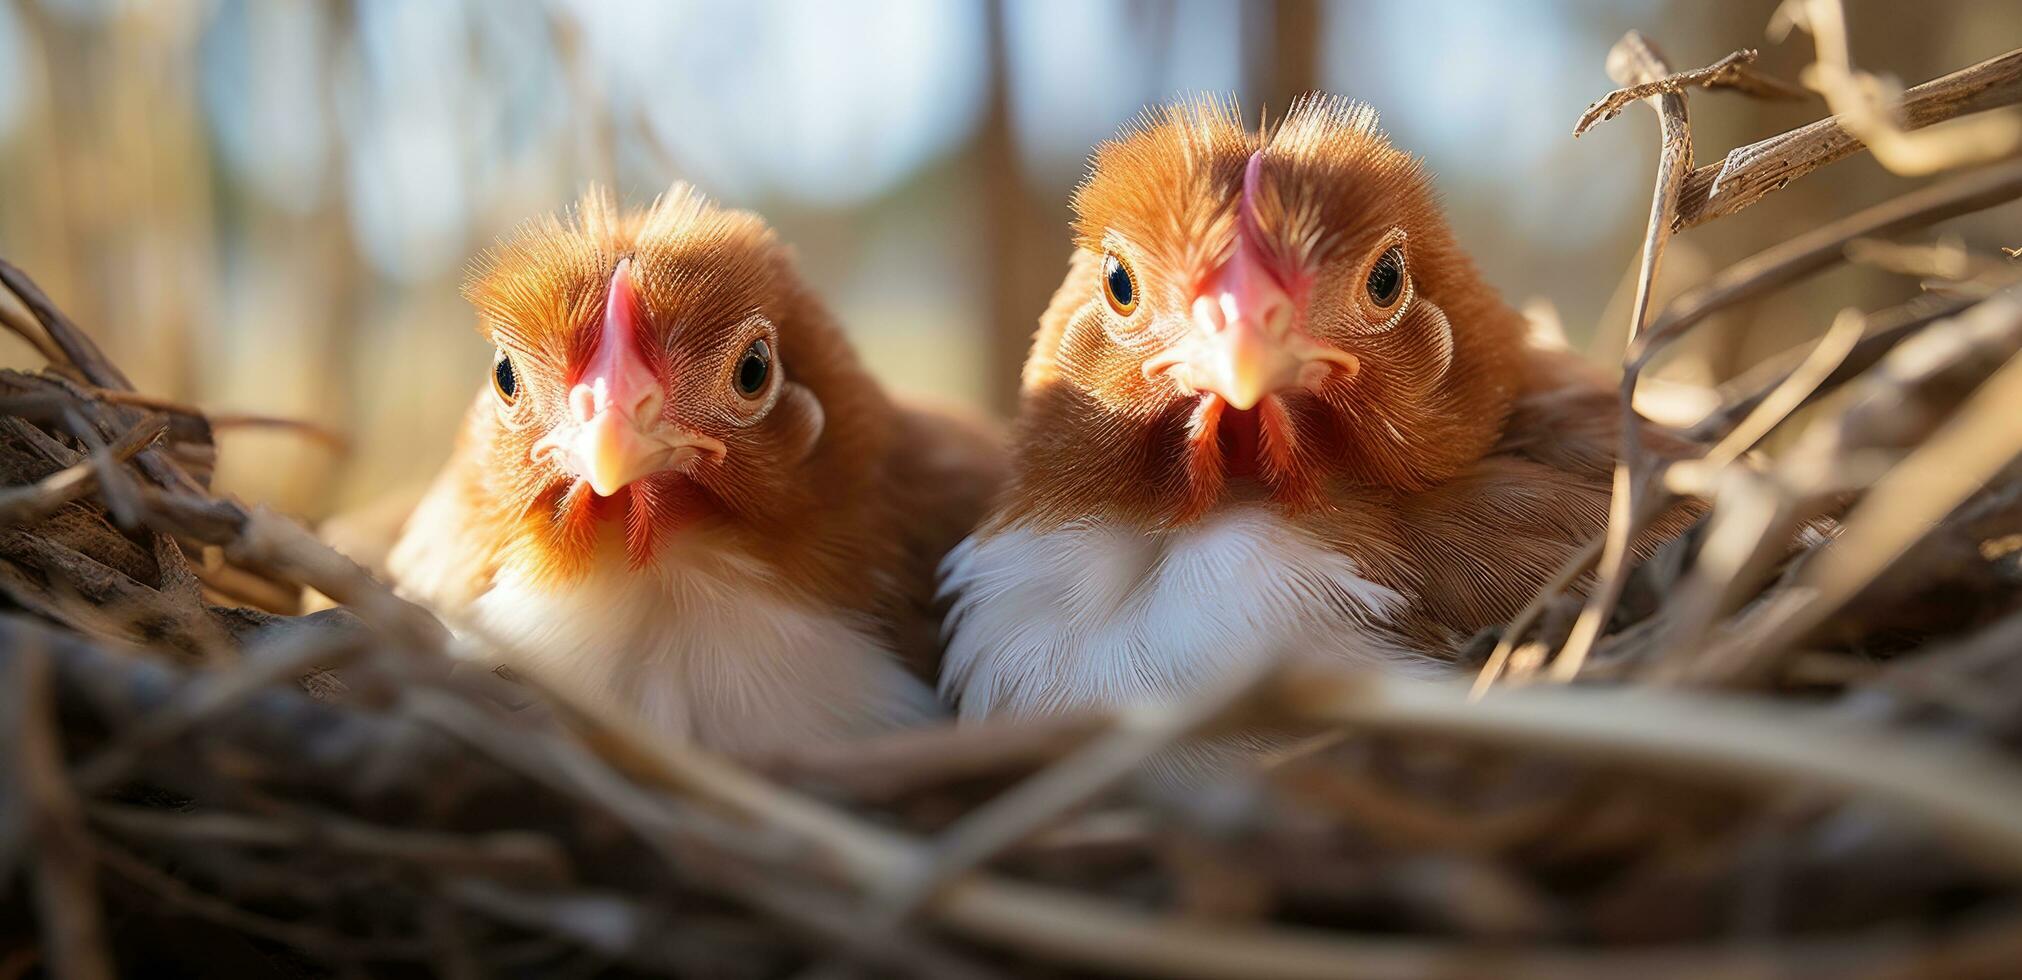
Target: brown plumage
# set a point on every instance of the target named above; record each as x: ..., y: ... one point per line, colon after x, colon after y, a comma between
x: 680, y: 494
x: 1274, y: 383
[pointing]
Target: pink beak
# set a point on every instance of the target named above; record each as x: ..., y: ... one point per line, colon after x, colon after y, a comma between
x: 616, y: 433
x: 1247, y: 343
x: 1245, y: 319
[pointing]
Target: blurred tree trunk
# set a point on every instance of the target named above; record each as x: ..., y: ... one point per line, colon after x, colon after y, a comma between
x: 289, y: 340
x: 1281, y: 52
x: 55, y: 232
x: 1025, y: 239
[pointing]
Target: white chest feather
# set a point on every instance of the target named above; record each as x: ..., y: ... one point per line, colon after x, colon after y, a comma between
x: 1099, y: 614
x: 703, y: 647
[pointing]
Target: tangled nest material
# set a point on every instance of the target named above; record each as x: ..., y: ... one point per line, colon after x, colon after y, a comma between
x: 1765, y: 762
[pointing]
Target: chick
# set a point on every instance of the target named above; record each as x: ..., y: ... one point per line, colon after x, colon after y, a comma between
x: 677, y: 493
x: 1273, y: 409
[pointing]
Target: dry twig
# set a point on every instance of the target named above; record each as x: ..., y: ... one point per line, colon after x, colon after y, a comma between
x: 1750, y: 173
x: 1867, y: 107
x: 1731, y: 72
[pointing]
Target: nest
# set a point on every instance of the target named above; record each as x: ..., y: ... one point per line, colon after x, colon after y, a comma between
x: 1734, y: 758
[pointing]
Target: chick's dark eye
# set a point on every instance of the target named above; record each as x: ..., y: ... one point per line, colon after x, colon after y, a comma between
x: 753, y: 368
x: 504, y: 379
x: 1386, y: 278
x: 1119, y: 284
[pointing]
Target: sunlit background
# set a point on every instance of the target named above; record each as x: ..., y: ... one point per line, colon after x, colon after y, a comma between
x: 268, y: 207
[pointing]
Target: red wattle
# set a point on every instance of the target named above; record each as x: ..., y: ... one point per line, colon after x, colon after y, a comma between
x: 1239, y: 437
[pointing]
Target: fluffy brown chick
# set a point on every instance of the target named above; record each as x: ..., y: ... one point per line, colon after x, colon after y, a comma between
x: 1274, y: 408
x: 678, y: 494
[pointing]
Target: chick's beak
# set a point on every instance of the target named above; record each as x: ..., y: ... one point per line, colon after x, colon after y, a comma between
x: 611, y: 450
x: 1246, y: 343
x: 1241, y: 352
x: 616, y: 432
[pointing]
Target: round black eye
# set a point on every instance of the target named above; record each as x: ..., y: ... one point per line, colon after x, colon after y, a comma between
x: 504, y: 380
x: 754, y: 368
x: 1119, y: 284
x: 1386, y: 277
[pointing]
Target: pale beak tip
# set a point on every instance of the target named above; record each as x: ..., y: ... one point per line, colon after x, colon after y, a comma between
x: 1247, y: 385
x: 608, y: 455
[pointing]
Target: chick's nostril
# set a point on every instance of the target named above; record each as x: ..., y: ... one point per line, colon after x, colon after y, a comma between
x: 1277, y: 316
x: 1209, y: 314
x: 646, y: 407
x: 584, y: 402
x: 1269, y: 316
x: 593, y: 398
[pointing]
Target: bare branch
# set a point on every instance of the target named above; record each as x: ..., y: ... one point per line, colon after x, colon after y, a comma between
x: 1866, y: 106
x: 1750, y: 173
x: 1632, y: 60
x: 1731, y: 72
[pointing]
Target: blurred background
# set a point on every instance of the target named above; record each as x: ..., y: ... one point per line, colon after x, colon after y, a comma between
x: 268, y: 206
